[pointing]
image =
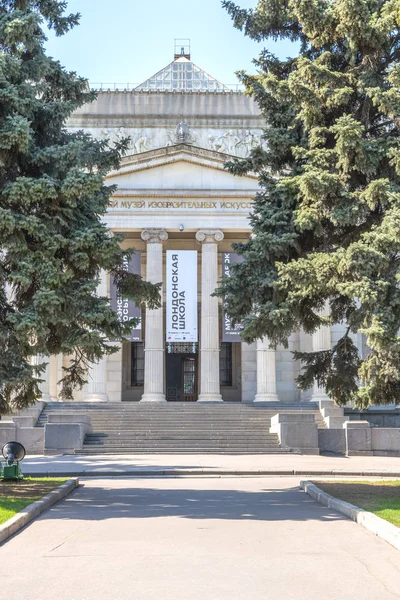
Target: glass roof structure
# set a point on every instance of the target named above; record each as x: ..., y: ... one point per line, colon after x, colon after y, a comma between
x: 181, y: 76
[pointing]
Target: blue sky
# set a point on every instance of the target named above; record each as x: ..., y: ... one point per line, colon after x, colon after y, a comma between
x: 129, y: 40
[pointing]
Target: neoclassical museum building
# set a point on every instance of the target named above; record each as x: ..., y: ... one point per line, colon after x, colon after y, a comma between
x: 181, y: 210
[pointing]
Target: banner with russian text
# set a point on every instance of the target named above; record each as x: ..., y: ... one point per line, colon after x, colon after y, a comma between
x: 181, y: 296
x: 126, y: 309
x: 230, y: 333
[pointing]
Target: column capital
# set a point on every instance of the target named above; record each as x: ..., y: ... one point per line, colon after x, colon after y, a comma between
x: 209, y: 236
x: 154, y: 236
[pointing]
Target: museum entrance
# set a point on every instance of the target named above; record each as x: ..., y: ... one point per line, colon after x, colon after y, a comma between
x: 181, y: 372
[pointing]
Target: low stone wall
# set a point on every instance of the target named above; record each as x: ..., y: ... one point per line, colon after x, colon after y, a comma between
x: 65, y: 433
x: 385, y: 440
x: 376, y: 418
x: 358, y: 438
x: 32, y: 438
x: 71, y: 417
x: 332, y: 440
x: 296, y: 431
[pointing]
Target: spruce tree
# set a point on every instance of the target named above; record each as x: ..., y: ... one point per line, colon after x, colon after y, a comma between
x: 53, y: 243
x: 326, y: 219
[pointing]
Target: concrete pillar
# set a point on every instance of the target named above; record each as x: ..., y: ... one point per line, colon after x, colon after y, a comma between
x: 97, y: 374
x: 266, y: 373
x: 209, y: 346
x: 154, y: 334
x: 321, y: 340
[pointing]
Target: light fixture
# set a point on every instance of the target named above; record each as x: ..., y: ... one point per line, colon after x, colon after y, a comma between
x: 13, y: 453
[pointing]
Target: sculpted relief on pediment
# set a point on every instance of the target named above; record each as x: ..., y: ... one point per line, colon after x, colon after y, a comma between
x: 234, y: 141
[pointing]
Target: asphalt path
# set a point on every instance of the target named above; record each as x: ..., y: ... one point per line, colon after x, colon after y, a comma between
x: 196, y: 538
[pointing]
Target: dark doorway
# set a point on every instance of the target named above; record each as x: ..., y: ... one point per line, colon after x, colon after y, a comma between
x: 181, y: 372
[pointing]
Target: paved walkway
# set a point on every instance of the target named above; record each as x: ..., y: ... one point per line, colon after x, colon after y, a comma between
x: 196, y: 539
x: 216, y: 464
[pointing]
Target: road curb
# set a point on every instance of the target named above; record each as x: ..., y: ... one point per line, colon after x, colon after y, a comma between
x: 381, y: 528
x: 35, y: 509
x: 142, y: 472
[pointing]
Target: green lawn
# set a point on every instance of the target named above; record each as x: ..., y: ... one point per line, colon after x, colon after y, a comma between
x: 380, y: 497
x: 15, y: 496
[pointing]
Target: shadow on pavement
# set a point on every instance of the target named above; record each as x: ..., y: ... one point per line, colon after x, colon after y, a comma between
x: 100, y: 503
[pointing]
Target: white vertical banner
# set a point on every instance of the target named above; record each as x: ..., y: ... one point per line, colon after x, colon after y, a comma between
x: 181, y: 296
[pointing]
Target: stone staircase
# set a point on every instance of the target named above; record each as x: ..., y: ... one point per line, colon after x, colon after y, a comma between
x: 182, y: 428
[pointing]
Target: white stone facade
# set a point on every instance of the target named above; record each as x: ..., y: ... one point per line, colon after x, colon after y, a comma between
x: 177, y: 195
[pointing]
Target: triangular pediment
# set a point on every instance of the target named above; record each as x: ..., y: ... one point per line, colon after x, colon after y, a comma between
x: 179, y: 167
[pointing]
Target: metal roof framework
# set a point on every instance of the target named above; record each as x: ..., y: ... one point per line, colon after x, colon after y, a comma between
x: 182, y: 75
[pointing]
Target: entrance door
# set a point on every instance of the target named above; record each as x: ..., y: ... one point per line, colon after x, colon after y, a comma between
x: 189, y: 379
x: 181, y: 377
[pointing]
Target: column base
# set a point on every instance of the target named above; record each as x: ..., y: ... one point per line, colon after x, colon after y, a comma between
x: 210, y: 398
x: 153, y: 398
x: 96, y: 398
x: 266, y: 398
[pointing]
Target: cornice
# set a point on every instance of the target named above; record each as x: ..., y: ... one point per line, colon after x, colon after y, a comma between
x: 183, y: 193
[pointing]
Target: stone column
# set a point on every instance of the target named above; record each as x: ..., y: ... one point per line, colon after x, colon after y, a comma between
x: 55, y: 376
x: 321, y: 340
x: 249, y: 371
x: 60, y: 373
x: 266, y: 373
x: 209, y: 347
x: 154, y: 334
x: 44, y: 386
x: 97, y: 374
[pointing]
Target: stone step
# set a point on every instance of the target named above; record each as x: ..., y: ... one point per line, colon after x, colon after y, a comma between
x: 195, y: 407
x: 180, y: 423
x: 177, y: 424
x: 173, y: 419
x: 185, y: 451
x: 177, y: 420
x: 163, y: 444
x: 189, y: 428
x: 151, y: 440
x: 181, y: 433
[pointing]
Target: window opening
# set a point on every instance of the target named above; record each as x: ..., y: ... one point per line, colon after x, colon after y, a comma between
x: 225, y: 364
x: 137, y: 364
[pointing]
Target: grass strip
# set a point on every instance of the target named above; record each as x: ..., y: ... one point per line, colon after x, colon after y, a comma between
x: 16, y: 495
x: 379, y: 497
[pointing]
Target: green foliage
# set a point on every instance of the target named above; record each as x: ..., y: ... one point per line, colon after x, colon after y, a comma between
x: 326, y: 219
x: 53, y: 243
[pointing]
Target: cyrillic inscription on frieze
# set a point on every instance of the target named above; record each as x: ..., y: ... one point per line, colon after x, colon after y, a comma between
x: 217, y: 205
